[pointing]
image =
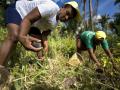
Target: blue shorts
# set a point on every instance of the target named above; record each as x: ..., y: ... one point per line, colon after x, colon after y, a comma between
x: 12, y: 15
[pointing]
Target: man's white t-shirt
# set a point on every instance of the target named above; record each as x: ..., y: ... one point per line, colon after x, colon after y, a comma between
x: 47, y: 8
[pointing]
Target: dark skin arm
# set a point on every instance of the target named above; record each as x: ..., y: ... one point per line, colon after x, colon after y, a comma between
x: 107, y: 51
x: 93, y: 57
x: 45, y: 44
x: 33, y: 16
x: 45, y: 40
x: 109, y: 54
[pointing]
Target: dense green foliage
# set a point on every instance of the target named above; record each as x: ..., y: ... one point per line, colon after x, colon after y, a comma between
x: 27, y: 73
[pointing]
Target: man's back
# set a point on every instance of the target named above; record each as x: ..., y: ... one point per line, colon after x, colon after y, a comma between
x: 47, y: 8
x: 88, y: 38
x: 25, y: 6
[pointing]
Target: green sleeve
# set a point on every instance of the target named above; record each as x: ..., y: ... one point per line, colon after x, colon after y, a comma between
x: 105, y: 44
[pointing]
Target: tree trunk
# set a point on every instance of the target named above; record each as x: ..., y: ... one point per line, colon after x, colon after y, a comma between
x: 84, y: 8
x: 96, y: 8
x: 91, y: 14
x: 84, y: 13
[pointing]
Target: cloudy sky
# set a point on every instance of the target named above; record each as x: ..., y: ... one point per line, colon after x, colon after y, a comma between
x: 105, y: 6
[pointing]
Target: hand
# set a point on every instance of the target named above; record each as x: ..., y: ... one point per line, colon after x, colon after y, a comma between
x: 27, y: 43
x: 114, y: 64
x: 98, y: 64
x: 99, y: 68
x: 111, y: 59
x: 40, y: 56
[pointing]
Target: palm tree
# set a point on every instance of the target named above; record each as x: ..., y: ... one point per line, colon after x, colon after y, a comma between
x: 117, y: 1
x: 113, y: 26
x: 96, y: 8
x: 117, y: 19
x: 84, y: 8
x: 91, y: 11
x: 104, y: 21
x: 91, y: 14
x: 95, y: 13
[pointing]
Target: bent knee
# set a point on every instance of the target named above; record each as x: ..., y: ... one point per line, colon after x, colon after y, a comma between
x: 78, y: 43
x: 13, y: 37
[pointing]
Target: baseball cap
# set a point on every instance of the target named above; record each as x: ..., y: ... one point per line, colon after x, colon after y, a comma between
x: 75, y: 6
x: 100, y: 35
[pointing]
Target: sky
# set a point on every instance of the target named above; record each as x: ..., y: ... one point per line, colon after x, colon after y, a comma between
x: 108, y: 6
x: 105, y: 6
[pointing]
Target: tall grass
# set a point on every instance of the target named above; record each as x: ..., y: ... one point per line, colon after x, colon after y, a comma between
x: 27, y: 73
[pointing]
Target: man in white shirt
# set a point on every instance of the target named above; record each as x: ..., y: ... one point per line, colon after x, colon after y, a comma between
x: 43, y: 14
x: 18, y: 12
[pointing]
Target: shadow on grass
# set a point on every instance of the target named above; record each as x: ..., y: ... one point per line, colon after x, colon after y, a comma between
x: 43, y: 86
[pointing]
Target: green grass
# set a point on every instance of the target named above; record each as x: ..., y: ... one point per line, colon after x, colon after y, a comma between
x: 29, y: 74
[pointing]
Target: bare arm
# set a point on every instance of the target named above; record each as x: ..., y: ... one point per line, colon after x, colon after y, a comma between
x: 107, y: 51
x: 45, y: 39
x: 33, y: 16
x: 93, y: 57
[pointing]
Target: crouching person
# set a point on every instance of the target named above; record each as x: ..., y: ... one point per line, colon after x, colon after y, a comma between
x: 88, y: 40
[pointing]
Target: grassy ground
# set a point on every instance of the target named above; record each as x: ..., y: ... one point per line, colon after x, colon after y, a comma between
x: 27, y: 73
